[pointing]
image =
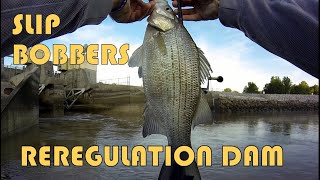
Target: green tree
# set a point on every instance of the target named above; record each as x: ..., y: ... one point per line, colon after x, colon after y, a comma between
x: 287, y: 84
x: 251, y: 88
x: 235, y: 91
x: 315, y: 89
x: 227, y: 90
x: 302, y: 88
x: 275, y: 86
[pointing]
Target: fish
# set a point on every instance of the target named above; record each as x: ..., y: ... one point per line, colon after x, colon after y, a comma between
x: 172, y: 68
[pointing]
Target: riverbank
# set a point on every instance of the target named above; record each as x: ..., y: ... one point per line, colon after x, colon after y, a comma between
x: 122, y: 99
x: 224, y: 102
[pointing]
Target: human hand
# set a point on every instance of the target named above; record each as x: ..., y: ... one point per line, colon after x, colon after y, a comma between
x: 202, y: 9
x: 133, y: 10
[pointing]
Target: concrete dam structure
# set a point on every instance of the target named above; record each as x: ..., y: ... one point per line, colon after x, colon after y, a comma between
x: 32, y: 91
x: 19, y: 102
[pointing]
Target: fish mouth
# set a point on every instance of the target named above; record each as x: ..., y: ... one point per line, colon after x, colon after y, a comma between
x: 162, y: 8
x: 162, y: 17
x: 161, y: 23
x: 165, y: 12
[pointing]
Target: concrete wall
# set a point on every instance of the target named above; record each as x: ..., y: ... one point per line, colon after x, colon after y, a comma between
x: 84, y: 65
x: 15, y: 80
x: 91, y: 75
x: 52, y: 100
x: 20, y: 110
x: 46, y: 70
x: 7, y: 73
x: 76, y: 78
x: 89, y: 69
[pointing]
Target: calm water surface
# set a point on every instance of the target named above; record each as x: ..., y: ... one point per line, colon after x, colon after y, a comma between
x: 297, y: 133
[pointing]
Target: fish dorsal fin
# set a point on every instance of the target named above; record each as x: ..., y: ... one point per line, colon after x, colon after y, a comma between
x: 137, y: 57
x: 151, y: 123
x: 203, y: 114
x: 205, y: 67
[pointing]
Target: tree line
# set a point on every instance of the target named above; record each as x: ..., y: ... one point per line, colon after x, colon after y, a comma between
x: 280, y: 86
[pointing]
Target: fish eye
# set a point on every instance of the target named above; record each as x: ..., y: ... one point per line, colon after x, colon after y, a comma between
x: 167, y: 8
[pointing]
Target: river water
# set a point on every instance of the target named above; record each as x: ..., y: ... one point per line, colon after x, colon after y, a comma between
x: 297, y: 133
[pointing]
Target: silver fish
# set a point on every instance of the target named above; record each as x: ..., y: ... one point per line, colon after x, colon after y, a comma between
x: 172, y: 68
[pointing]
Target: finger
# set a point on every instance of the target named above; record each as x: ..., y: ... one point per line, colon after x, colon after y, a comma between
x: 140, y: 14
x: 140, y: 2
x: 184, y: 3
x: 138, y: 8
x: 147, y: 9
x: 189, y: 14
x: 146, y: 6
x: 143, y: 4
x: 186, y: 11
x: 135, y: 16
x: 150, y: 10
x: 152, y: 4
x: 193, y: 17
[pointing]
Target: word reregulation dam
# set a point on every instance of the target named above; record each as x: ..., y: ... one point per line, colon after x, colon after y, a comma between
x: 138, y: 155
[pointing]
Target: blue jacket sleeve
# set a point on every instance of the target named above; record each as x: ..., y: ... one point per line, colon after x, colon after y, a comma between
x: 73, y: 14
x: 287, y: 28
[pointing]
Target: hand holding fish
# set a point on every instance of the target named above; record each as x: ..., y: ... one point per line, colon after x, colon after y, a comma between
x: 202, y: 9
x: 126, y: 11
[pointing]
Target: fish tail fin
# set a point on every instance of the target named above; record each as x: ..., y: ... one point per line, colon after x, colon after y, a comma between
x: 177, y: 172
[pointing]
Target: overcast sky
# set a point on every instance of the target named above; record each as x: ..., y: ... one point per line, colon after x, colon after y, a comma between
x: 230, y: 53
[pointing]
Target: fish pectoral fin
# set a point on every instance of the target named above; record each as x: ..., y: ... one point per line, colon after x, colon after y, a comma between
x: 203, y: 114
x: 205, y: 67
x: 151, y: 124
x: 161, y: 44
x: 137, y: 57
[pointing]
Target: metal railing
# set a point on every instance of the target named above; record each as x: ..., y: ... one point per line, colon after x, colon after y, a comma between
x: 118, y: 81
x: 19, y: 67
